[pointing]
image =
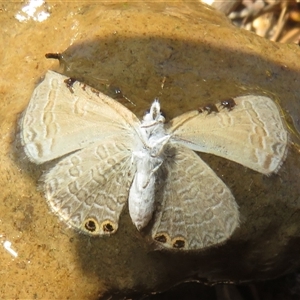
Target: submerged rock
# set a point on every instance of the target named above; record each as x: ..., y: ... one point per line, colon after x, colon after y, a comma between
x: 188, y: 55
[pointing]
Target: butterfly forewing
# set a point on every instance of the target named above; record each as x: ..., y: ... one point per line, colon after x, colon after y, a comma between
x: 89, y: 188
x: 196, y: 209
x: 61, y: 118
x: 251, y: 133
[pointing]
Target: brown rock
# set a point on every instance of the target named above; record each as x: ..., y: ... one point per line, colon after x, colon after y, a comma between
x: 198, y: 57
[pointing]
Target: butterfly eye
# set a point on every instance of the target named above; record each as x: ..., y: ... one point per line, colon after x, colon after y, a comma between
x: 163, y: 114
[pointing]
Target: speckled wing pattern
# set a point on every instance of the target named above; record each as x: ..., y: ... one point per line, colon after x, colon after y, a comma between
x: 88, y: 189
x: 251, y: 134
x: 196, y: 209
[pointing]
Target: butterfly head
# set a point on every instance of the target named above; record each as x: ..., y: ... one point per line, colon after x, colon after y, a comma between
x: 153, y: 116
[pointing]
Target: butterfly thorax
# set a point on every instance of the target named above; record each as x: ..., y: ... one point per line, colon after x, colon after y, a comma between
x: 147, y: 157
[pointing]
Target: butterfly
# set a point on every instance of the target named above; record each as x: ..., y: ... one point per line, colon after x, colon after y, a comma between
x: 108, y: 157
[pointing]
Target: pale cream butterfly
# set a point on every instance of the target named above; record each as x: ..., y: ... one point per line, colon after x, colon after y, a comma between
x: 109, y: 156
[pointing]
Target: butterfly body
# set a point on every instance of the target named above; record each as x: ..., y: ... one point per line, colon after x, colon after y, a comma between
x: 108, y: 157
x: 147, y: 157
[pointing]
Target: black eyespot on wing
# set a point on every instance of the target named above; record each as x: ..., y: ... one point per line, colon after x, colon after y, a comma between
x: 179, y: 243
x: 90, y: 225
x: 228, y: 103
x: 210, y: 108
x: 108, y: 227
x: 161, y: 238
x: 69, y: 83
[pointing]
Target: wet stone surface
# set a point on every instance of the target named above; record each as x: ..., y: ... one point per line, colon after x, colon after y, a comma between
x: 188, y: 57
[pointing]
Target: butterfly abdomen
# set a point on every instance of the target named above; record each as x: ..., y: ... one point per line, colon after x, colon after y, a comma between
x: 147, y: 157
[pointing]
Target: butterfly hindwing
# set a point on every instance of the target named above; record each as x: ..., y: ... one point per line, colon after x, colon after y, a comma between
x: 89, y: 188
x: 195, y: 208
